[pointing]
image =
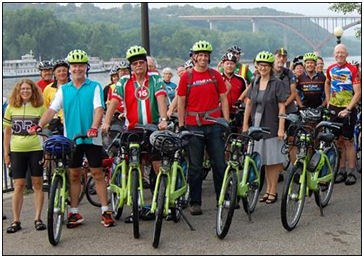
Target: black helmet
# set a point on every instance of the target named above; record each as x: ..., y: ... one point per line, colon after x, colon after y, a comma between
x: 229, y: 57
x: 59, y: 63
x: 234, y: 49
x: 45, y: 65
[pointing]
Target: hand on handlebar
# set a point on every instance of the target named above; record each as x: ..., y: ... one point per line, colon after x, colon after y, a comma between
x: 34, y: 129
x: 92, y: 132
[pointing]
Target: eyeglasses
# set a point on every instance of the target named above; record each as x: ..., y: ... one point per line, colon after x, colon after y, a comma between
x: 260, y: 65
x: 140, y: 62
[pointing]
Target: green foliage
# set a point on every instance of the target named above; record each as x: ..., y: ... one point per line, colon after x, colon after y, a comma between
x: 52, y: 30
x: 346, y: 8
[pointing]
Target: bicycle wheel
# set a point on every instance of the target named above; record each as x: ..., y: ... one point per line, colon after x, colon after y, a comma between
x: 91, y: 193
x: 135, y: 196
x: 358, y: 154
x: 55, y: 217
x: 225, y: 211
x: 159, y: 211
x: 251, y: 198
x: 292, y: 206
x: 323, y: 195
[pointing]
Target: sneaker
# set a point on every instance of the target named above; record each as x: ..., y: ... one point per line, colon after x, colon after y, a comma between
x: 350, y: 179
x: 107, y: 219
x: 74, y: 219
x: 195, y: 209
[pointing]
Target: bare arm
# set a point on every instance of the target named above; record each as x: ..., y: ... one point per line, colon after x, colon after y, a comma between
x: 327, y: 91
x: 98, y: 113
x: 282, y: 110
x: 181, y: 102
x: 46, y: 117
x: 111, y: 107
x: 225, y: 106
x: 7, y: 136
x: 162, y: 108
x: 173, y: 106
x: 247, y: 113
x: 292, y: 95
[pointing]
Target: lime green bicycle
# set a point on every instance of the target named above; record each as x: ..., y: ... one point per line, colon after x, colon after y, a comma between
x: 171, y: 185
x: 241, y: 178
x: 58, y: 149
x: 310, y: 174
x: 126, y: 185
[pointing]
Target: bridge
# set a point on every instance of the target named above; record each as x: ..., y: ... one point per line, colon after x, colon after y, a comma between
x: 328, y: 23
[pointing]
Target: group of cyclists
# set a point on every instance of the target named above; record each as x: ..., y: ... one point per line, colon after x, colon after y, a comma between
x: 79, y: 105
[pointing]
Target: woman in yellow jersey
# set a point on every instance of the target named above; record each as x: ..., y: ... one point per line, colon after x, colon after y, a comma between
x: 24, y: 110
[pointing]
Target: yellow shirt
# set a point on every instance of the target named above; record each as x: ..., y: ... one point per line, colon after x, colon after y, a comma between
x: 48, y: 95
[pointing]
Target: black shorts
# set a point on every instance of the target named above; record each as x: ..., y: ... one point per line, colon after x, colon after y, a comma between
x: 348, y: 122
x: 94, y: 155
x: 20, y: 161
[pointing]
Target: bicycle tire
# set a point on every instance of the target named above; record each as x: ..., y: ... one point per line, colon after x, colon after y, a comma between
x: 135, y: 197
x: 251, y: 199
x: 91, y: 193
x: 291, y: 206
x: 55, y: 217
x: 324, y: 192
x: 359, y: 154
x: 225, y: 211
x: 159, y: 211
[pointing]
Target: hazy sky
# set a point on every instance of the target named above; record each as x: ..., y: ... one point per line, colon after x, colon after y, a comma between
x: 300, y: 8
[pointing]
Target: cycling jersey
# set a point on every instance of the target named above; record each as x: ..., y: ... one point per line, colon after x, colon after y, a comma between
x: 171, y: 90
x: 43, y: 83
x: 140, y: 101
x: 108, y: 91
x: 48, y: 94
x: 203, y: 95
x: 241, y: 70
x: 20, y: 119
x: 78, y: 106
x: 342, y: 78
x: 238, y: 85
x: 311, y: 90
x: 288, y: 78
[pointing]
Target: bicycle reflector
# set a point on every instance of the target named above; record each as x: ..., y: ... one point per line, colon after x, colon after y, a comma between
x: 58, y: 145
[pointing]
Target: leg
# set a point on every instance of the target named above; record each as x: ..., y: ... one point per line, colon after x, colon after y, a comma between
x: 272, y: 173
x: 75, y: 185
x: 37, y: 183
x: 100, y: 185
x: 18, y: 197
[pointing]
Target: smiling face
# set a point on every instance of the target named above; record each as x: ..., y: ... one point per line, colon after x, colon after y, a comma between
x: 264, y: 69
x: 139, y: 67
x: 78, y: 71
x: 61, y: 74
x: 201, y: 59
x: 26, y: 92
x: 340, y: 54
x: 46, y: 74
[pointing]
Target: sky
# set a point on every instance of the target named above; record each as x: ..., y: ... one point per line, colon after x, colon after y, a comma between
x: 300, y: 8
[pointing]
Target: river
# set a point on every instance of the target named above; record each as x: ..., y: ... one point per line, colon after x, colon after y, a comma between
x: 104, y: 78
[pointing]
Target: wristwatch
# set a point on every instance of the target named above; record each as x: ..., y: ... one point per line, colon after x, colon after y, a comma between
x: 162, y: 119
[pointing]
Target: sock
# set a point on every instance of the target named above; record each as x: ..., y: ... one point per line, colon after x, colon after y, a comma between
x: 104, y: 208
x: 74, y: 210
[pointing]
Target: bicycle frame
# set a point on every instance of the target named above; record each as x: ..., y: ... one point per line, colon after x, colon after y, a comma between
x: 62, y: 172
x: 171, y: 172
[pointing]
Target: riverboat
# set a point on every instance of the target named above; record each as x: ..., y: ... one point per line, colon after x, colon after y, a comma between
x: 96, y: 65
x: 26, y: 66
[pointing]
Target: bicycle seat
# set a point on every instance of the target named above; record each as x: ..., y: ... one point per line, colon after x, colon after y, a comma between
x: 326, y: 137
x: 257, y: 133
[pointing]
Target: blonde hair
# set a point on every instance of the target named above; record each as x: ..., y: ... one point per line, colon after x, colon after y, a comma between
x: 36, y: 99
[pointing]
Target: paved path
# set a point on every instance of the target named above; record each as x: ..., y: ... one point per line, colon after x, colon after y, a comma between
x: 337, y: 233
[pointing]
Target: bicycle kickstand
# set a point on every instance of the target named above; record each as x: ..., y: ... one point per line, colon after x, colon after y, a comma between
x: 184, y: 218
x: 321, y: 209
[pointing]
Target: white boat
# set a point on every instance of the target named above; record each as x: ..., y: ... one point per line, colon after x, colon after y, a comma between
x: 26, y: 66
x: 96, y: 65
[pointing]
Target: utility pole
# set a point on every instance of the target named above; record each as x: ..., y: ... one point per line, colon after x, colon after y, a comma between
x: 145, y: 27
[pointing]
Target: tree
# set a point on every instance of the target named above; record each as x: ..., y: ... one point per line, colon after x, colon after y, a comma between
x: 348, y: 8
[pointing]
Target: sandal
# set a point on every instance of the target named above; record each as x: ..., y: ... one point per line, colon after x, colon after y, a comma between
x: 14, y: 227
x: 39, y: 225
x: 272, y: 200
x: 264, y: 198
x: 350, y: 179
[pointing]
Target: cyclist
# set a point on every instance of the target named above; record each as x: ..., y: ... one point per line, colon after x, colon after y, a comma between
x: 170, y: 86
x: 297, y: 66
x: 152, y: 65
x: 289, y: 81
x: 320, y: 65
x: 343, y: 92
x: 236, y: 87
x: 265, y: 102
x: 82, y: 102
x: 241, y: 69
x: 203, y: 83
x: 123, y: 68
x: 311, y: 84
x: 108, y: 89
x: 61, y: 74
x: 144, y: 98
x: 46, y: 72
x: 22, y: 150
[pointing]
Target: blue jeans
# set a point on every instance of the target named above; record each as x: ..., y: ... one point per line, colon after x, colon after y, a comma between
x: 214, y: 143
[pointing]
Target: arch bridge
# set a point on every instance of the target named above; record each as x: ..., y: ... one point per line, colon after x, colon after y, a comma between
x: 329, y: 23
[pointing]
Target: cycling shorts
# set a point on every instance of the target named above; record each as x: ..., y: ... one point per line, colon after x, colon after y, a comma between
x: 94, y: 155
x: 348, y: 122
x: 20, y: 161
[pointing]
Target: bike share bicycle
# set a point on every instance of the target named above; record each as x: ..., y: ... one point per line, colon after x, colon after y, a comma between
x: 311, y: 172
x: 241, y: 178
x: 126, y: 185
x: 171, y: 184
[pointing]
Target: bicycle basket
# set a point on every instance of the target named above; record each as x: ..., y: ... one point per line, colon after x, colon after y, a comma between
x: 58, y: 145
x: 166, y: 142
